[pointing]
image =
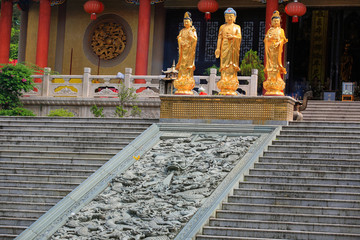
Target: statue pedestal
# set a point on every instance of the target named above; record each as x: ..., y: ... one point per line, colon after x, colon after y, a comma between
x: 250, y: 110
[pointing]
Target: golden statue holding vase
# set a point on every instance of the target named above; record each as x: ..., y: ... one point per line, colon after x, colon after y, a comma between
x: 228, y: 49
x: 187, y: 40
x: 274, y: 42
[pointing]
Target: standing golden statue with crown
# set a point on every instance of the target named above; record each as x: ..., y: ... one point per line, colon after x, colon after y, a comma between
x: 274, y: 42
x: 187, y: 40
x: 228, y: 49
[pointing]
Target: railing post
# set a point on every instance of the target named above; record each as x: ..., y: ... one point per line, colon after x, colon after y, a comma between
x: 127, y: 80
x: 86, y: 82
x: 254, y: 82
x: 212, y: 80
x: 46, y: 82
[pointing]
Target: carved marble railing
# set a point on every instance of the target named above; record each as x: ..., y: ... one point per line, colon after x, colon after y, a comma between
x: 100, y: 86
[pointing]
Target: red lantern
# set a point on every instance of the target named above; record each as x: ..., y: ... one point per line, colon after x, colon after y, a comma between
x: 93, y: 7
x: 208, y: 7
x: 295, y: 9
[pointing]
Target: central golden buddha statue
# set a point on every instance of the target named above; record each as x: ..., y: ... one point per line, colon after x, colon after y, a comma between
x: 228, y: 49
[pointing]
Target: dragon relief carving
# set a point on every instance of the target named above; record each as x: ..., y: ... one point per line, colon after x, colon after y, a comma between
x: 108, y: 40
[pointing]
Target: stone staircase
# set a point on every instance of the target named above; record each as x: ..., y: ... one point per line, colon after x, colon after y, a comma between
x: 43, y: 159
x: 332, y: 111
x: 306, y: 186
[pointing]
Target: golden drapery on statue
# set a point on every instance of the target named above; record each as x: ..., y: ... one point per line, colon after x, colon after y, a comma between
x: 228, y: 49
x: 187, y: 40
x: 274, y: 42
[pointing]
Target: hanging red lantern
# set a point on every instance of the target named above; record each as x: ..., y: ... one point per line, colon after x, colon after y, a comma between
x: 93, y: 7
x: 208, y: 7
x: 296, y: 10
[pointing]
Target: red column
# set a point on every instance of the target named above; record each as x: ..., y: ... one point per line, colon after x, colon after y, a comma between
x: 42, y: 48
x: 5, y: 30
x: 142, y: 51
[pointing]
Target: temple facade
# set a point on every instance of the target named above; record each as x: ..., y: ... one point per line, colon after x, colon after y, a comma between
x: 323, y: 48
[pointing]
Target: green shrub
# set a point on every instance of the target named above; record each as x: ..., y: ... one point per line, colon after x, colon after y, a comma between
x: 120, y: 111
x: 135, y: 111
x: 60, y: 113
x: 13, y: 81
x: 16, y: 112
x: 98, y: 112
x: 252, y: 61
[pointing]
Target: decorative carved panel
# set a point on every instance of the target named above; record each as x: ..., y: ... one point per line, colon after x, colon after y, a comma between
x: 212, y: 29
x: 261, y: 40
x: 108, y: 40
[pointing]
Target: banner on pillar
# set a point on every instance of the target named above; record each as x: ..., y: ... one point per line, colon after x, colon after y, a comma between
x: 317, y: 63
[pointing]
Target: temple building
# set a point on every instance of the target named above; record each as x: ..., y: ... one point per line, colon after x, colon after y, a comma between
x: 323, y: 49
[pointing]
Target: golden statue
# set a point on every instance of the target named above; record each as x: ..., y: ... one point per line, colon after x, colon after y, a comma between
x: 274, y: 42
x: 228, y: 49
x: 187, y: 40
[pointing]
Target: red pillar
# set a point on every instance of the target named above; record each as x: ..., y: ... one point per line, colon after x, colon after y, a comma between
x: 5, y: 30
x: 142, y: 51
x: 42, y: 48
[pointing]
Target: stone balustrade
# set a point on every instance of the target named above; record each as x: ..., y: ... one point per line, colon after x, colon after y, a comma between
x: 106, y: 86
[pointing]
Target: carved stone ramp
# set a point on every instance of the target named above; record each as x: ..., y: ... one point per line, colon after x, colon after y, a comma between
x: 305, y: 186
x: 43, y: 159
x: 332, y: 111
x: 93, y: 186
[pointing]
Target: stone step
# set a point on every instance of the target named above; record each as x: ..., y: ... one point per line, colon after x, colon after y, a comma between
x: 277, y: 234
x: 50, y: 178
x: 7, y: 236
x: 311, y: 128
x: 313, y: 167
x: 291, y: 217
x: 327, y: 133
x: 49, y: 120
x: 299, y: 187
x: 314, y: 149
x: 33, y: 152
x: 57, y: 159
x: 291, y: 209
x: 88, y: 133
x: 34, y: 199
x: 73, y: 124
x: 50, y: 165
x: 44, y: 171
x: 10, y: 221
x: 304, y: 155
x: 207, y: 237
x: 319, y: 161
x: 297, y: 194
x: 76, y: 129
x: 34, y: 191
x: 326, y: 124
x: 60, y: 149
x: 331, y: 119
x: 303, y: 180
x: 56, y: 142
x: 318, y: 138
x: 306, y: 173
x: 37, y: 206
x: 21, y: 213
x: 294, y: 201
x: 11, y: 230
x: 39, y: 184
x: 64, y: 138
x: 284, y: 225
x: 303, y: 143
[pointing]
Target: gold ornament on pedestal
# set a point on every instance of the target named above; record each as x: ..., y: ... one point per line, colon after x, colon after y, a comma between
x: 274, y: 42
x: 228, y: 49
x: 187, y: 40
